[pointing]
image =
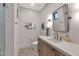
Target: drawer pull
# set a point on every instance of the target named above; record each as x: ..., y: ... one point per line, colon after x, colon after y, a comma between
x: 53, y: 49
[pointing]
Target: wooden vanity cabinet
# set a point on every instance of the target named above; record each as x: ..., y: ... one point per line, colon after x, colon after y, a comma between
x: 40, y: 47
x: 45, y: 49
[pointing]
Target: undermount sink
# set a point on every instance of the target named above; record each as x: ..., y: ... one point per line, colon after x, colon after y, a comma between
x: 53, y: 40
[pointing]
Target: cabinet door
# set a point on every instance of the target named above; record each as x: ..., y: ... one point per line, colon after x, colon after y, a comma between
x: 51, y: 51
x: 40, y: 47
x: 45, y: 49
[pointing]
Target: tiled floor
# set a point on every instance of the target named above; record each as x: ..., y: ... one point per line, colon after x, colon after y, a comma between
x: 27, y: 52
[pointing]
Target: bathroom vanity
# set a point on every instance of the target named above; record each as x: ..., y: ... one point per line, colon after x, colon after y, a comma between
x: 47, y: 46
x: 44, y: 49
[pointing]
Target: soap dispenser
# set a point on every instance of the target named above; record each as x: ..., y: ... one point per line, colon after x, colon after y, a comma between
x: 47, y: 31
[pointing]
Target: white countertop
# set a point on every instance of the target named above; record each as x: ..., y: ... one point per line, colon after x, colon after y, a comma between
x: 64, y: 47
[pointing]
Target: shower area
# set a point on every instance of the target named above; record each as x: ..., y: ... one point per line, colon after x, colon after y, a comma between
x: 28, y: 31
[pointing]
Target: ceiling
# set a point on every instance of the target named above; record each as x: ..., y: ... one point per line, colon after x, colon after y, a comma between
x: 33, y: 6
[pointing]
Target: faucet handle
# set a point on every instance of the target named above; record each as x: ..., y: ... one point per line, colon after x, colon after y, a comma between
x: 60, y: 38
x: 56, y: 36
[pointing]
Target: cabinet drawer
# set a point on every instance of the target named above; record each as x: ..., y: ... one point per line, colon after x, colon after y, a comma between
x: 51, y: 51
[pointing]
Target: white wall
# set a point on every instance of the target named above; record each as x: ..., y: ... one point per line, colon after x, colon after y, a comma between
x: 26, y: 16
x: 47, y: 10
x: 73, y: 23
x: 16, y: 28
x: 9, y: 29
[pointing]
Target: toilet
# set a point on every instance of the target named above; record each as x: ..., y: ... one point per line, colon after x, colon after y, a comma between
x: 35, y: 46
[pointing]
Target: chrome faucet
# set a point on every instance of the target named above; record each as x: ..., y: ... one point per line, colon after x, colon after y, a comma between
x: 56, y: 36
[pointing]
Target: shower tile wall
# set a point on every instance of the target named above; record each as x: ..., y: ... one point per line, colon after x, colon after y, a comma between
x: 27, y: 36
